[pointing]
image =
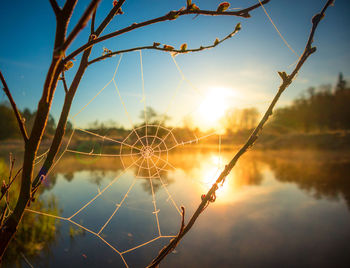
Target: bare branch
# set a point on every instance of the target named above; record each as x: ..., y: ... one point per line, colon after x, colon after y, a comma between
x: 55, y: 7
x: 92, y: 29
x: 69, y: 6
x: 63, y: 78
x: 172, y: 245
x: 10, y: 183
x: 210, y: 196
x: 109, y: 17
x: 19, y: 118
x: 167, y: 48
x: 62, y: 43
x: 44, y: 106
x: 81, y: 23
x: 60, y: 130
x: 170, y: 16
x: 6, y: 187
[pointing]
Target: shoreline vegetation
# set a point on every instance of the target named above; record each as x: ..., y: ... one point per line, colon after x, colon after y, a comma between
x: 319, y: 119
x: 333, y: 141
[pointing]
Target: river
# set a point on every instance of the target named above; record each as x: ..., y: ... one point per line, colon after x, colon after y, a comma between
x: 276, y: 209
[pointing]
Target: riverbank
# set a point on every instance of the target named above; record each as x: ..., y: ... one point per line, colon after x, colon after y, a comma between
x: 328, y: 141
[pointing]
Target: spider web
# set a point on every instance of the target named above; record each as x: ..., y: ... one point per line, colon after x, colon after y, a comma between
x: 145, y: 149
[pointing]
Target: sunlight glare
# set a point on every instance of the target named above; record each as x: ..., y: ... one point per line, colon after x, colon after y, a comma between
x: 214, y: 104
x: 210, y: 174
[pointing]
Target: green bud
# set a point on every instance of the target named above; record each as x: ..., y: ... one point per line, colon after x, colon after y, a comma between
x: 238, y: 27
x: 223, y: 7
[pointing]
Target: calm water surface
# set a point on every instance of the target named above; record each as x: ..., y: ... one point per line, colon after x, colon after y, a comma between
x: 280, y: 209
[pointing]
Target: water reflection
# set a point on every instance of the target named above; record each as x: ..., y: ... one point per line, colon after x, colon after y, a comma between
x: 294, y: 200
x: 320, y: 176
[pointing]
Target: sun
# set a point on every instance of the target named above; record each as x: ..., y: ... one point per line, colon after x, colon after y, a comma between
x: 214, y: 105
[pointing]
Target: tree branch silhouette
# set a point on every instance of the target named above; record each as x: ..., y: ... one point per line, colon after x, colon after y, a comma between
x: 61, y: 126
x: 81, y: 23
x: 63, y: 78
x: 9, y: 227
x: 19, y: 118
x: 55, y: 7
x: 167, y: 48
x: 172, y: 15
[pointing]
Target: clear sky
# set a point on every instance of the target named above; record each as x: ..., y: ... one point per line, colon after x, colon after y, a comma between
x: 243, y: 69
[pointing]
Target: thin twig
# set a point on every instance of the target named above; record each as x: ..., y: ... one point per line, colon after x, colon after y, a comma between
x: 166, y: 49
x: 12, y: 163
x: 170, y: 16
x: 9, y: 184
x: 5, y: 190
x: 92, y: 29
x: 286, y: 81
x: 81, y: 23
x: 26, y: 260
x: 4, y: 214
x: 173, y: 242
x: 19, y: 118
x: 63, y: 78
x: 109, y: 17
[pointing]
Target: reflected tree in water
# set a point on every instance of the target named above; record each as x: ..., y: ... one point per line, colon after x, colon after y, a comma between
x: 321, y: 179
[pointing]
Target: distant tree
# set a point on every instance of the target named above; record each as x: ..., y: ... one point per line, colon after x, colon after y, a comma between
x: 249, y: 118
x: 188, y: 122
x: 341, y: 84
x: 148, y: 114
x: 29, y: 118
x: 341, y: 107
x: 8, y: 122
x: 240, y: 119
x: 27, y: 115
x: 69, y: 126
x: 9, y: 126
x: 321, y: 109
x: 152, y: 116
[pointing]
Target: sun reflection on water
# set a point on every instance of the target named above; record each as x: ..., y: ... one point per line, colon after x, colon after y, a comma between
x: 209, y: 172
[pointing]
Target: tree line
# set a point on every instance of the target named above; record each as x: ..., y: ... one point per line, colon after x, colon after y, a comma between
x: 318, y: 109
x: 9, y: 126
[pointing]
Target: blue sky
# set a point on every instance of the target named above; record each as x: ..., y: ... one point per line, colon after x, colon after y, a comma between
x: 243, y: 69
